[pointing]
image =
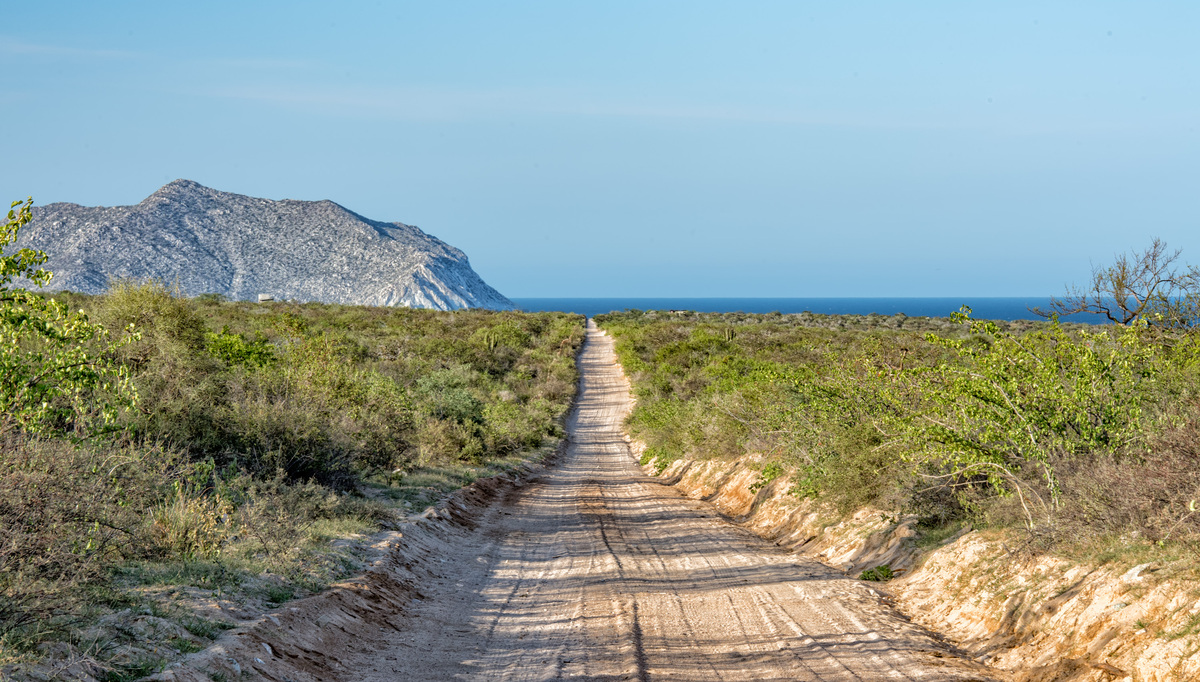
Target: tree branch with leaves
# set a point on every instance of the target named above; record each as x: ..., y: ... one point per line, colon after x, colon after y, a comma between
x: 58, y: 372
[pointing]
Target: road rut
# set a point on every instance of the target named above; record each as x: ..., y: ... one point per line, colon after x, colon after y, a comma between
x: 596, y: 571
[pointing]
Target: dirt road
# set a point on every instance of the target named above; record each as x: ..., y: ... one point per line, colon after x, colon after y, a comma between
x: 596, y: 571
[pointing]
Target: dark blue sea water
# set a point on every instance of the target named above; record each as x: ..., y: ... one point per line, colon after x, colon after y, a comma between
x: 982, y: 307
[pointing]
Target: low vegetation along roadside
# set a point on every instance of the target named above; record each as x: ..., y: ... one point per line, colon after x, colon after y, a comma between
x: 1082, y: 440
x: 170, y: 465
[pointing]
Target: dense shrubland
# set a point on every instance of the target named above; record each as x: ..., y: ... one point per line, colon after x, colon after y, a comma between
x: 336, y: 393
x: 1084, y: 437
x: 151, y: 442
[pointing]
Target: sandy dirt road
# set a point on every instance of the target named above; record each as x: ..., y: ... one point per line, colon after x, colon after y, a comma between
x: 596, y: 571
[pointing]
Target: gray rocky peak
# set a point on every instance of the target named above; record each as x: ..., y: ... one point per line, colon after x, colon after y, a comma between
x: 219, y: 242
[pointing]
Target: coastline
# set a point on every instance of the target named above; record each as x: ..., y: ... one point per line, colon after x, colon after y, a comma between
x: 983, y: 307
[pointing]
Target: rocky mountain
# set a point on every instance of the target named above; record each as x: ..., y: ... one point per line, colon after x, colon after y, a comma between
x: 241, y: 247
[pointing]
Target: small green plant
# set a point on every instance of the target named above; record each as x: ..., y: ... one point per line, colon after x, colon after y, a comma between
x: 1191, y: 627
x: 278, y: 594
x: 658, y: 455
x: 769, y: 473
x: 236, y: 349
x: 135, y: 670
x: 879, y: 574
x: 185, y: 646
x: 211, y: 299
x: 188, y: 525
x: 203, y: 627
x: 935, y: 535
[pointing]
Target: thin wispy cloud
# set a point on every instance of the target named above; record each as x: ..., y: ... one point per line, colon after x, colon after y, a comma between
x: 256, y: 63
x: 391, y: 103
x: 447, y: 104
x: 19, y: 47
x: 450, y: 104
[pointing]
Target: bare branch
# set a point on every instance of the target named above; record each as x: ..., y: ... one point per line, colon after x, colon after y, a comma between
x: 1137, y: 286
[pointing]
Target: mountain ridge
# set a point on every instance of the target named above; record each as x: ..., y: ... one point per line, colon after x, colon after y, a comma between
x: 211, y: 241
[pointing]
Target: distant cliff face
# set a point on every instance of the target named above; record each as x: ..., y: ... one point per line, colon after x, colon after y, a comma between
x: 239, y: 246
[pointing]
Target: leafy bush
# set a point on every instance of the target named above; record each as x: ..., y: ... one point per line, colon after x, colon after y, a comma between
x: 57, y: 370
x: 1005, y: 401
x: 236, y: 349
x: 334, y: 392
x: 809, y: 398
x: 770, y: 472
x: 1043, y: 425
x: 447, y: 394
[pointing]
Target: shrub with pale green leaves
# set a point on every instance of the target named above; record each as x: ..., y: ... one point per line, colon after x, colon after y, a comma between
x: 58, y: 370
x: 995, y: 422
x: 1008, y: 401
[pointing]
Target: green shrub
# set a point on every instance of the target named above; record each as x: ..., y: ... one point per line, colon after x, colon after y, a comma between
x: 58, y: 373
x: 1039, y: 424
x: 880, y: 573
x: 236, y: 349
x: 770, y: 472
x: 1009, y: 401
x: 447, y: 394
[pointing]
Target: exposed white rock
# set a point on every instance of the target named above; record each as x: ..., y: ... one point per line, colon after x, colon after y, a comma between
x: 242, y: 247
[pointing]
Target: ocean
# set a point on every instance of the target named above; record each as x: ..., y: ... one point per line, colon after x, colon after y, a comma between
x: 991, y: 308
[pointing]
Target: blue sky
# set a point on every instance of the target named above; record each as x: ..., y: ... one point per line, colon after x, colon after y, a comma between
x: 645, y: 149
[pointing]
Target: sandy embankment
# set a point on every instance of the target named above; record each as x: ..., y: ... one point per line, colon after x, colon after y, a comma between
x: 1038, y: 620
